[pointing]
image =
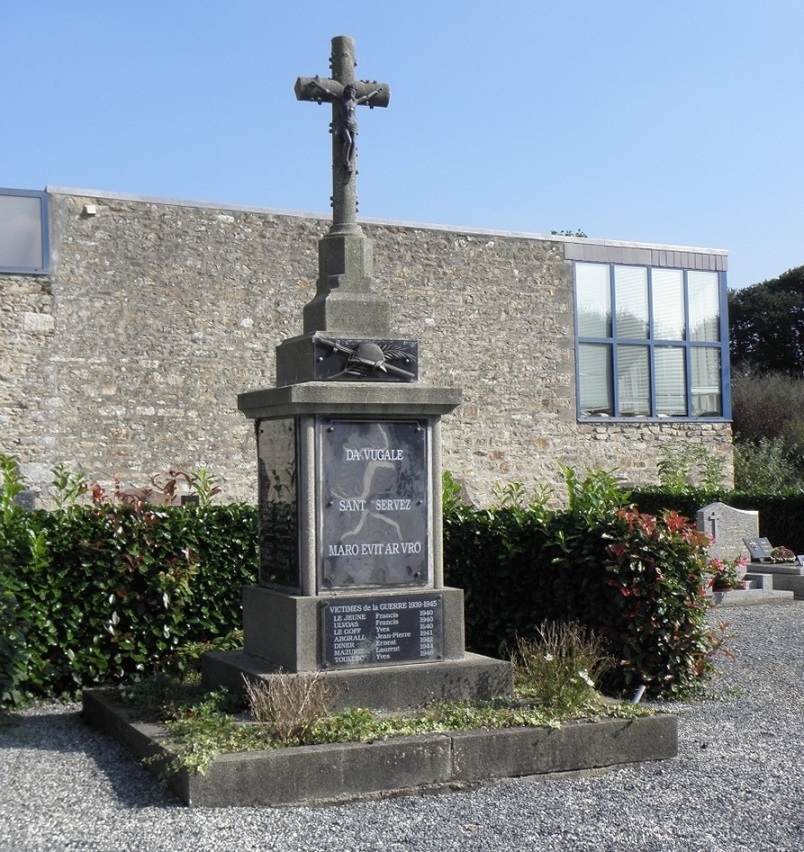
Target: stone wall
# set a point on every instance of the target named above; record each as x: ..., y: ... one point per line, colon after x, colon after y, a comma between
x: 128, y: 357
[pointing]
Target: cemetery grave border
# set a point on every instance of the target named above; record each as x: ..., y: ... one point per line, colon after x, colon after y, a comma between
x: 337, y: 773
x: 787, y: 577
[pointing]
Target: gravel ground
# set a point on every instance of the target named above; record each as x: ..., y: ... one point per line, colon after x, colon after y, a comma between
x: 737, y: 783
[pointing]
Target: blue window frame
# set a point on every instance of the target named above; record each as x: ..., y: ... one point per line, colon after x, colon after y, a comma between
x: 651, y: 343
x: 24, y: 247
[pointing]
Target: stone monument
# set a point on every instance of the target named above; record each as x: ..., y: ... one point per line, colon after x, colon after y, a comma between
x: 348, y: 446
x: 727, y: 528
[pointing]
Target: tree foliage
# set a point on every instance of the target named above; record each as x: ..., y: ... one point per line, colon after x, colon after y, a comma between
x: 768, y: 422
x: 766, y: 325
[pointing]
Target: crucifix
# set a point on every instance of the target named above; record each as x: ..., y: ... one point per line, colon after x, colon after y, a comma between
x: 345, y: 94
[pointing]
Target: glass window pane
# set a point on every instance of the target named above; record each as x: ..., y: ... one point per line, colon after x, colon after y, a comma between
x: 671, y: 382
x: 631, y: 298
x: 595, y: 390
x: 633, y: 383
x: 705, y: 382
x: 593, y: 299
x: 20, y: 232
x: 667, y: 292
x: 704, y: 300
x: 657, y: 318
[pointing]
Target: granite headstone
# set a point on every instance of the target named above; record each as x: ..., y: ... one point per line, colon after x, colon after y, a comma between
x: 728, y: 527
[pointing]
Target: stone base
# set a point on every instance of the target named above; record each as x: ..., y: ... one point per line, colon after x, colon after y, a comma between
x: 343, y: 772
x: 285, y: 629
x: 785, y: 576
x: 398, y: 687
x: 760, y: 590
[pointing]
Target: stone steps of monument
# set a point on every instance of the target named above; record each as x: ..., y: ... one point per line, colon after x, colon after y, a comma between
x: 760, y: 588
x: 783, y: 576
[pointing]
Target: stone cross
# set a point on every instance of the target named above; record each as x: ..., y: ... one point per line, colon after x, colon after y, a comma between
x: 713, y: 517
x: 345, y: 94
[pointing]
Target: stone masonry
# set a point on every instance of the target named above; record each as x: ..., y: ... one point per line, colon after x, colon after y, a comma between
x: 128, y: 357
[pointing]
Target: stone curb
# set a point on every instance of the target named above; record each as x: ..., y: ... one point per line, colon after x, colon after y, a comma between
x: 751, y: 597
x: 343, y: 772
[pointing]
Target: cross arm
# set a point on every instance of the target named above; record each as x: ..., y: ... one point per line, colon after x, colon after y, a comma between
x: 318, y: 89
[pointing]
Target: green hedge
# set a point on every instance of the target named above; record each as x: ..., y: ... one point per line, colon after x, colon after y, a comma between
x: 635, y: 579
x: 109, y: 591
x: 105, y: 592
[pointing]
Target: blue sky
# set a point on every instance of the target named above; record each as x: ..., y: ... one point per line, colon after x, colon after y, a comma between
x: 677, y: 122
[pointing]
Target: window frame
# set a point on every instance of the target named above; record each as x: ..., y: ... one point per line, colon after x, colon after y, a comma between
x: 652, y: 343
x: 44, y: 232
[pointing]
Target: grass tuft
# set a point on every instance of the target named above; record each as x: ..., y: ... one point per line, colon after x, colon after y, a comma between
x: 560, y: 668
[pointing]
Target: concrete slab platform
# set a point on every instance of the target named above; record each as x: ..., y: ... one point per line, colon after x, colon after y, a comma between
x: 786, y: 577
x: 398, y: 687
x: 337, y: 773
x: 752, y: 597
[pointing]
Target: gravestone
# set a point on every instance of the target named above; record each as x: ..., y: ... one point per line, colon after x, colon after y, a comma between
x: 728, y: 527
x: 730, y: 530
x: 348, y: 449
x: 785, y: 575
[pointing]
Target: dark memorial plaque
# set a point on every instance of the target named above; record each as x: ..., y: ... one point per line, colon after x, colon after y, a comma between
x: 278, y: 521
x: 382, y: 630
x: 759, y: 548
x: 375, y: 503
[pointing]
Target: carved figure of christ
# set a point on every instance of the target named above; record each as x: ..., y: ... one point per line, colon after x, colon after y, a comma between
x: 346, y: 127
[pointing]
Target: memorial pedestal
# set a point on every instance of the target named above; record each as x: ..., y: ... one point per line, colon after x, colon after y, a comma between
x: 304, y: 634
x: 351, y: 574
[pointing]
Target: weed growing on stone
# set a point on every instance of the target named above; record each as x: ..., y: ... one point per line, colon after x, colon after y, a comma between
x: 559, y: 669
x: 205, y: 730
x: 201, y: 733
x: 289, y: 706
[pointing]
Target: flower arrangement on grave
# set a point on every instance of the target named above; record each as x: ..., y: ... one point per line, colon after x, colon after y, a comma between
x: 727, y: 573
x: 782, y: 554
